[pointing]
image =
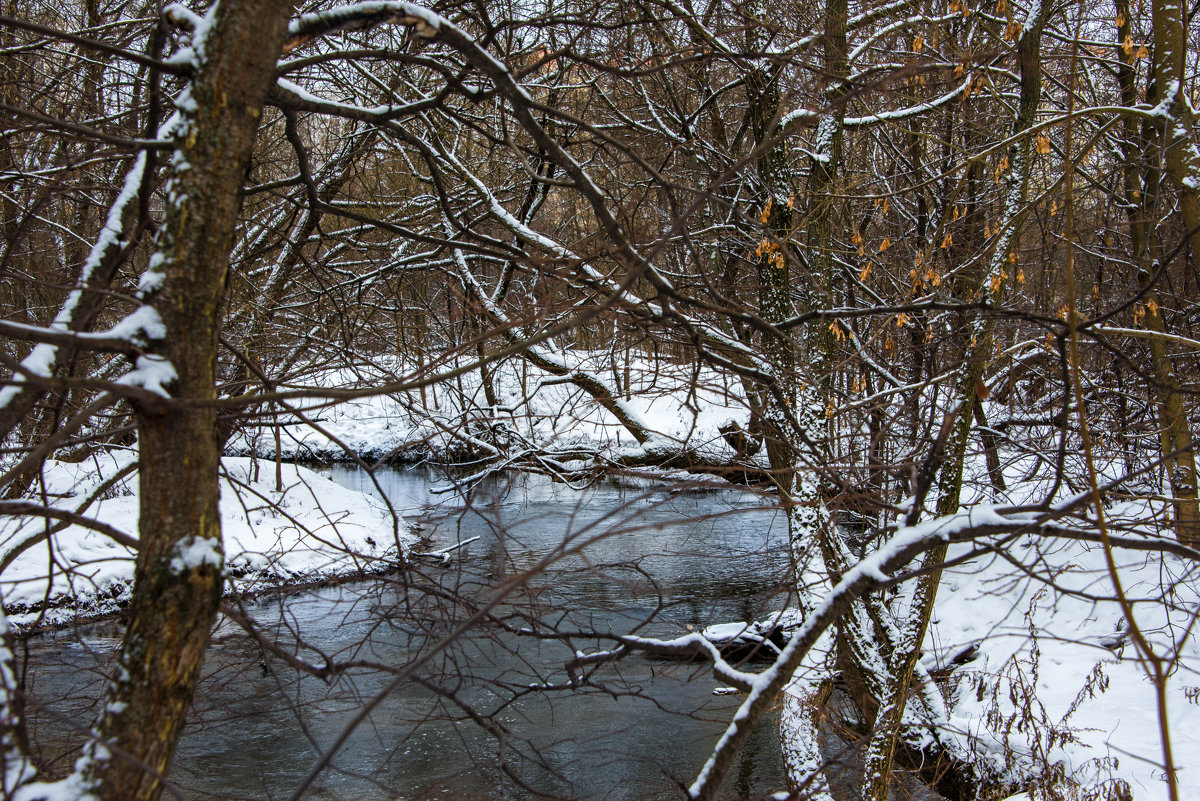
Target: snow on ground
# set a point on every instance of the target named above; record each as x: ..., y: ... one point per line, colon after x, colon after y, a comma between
x: 554, y: 416
x: 1067, y: 647
x: 1048, y: 626
x: 311, y: 529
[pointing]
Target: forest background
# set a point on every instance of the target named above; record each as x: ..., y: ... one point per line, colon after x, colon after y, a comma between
x: 922, y: 273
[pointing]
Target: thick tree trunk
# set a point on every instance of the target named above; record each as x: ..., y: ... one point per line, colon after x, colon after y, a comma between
x: 178, y: 575
x: 810, y: 529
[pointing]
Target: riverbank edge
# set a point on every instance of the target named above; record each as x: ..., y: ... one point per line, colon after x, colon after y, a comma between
x: 114, y: 607
x: 352, y: 560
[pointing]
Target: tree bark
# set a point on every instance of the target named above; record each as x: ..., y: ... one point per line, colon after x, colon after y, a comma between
x: 1182, y: 159
x: 178, y: 574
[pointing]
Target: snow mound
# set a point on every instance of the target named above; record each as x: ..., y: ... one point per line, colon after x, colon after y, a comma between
x: 1055, y: 683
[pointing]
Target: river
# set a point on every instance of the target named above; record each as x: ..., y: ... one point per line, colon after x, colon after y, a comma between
x: 656, y: 560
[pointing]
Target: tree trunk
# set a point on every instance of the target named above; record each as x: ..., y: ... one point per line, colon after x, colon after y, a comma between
x: 1182, y: 159
x: 178, y: 574
x: 787, y: 425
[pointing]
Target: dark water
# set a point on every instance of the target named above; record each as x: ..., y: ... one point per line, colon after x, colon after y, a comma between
x: 486, y: 714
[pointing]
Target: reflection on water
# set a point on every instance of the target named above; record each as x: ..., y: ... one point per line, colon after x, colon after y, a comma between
x: 495, y: 713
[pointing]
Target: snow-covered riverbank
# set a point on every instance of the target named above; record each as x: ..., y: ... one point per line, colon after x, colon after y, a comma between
x: 1053, y: 685
x: 1043, y: 681
x: 683, y: 405
x: 308, y: 529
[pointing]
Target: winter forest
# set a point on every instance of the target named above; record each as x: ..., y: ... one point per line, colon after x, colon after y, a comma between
x: 641, y: 399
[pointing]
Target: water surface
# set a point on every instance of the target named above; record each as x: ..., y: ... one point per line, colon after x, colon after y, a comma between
x: 492, y: 713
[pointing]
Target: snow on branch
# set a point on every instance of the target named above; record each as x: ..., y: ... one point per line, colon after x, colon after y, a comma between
x: 41, y: 360
x: 360, y: 16
x: 882, y: 116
